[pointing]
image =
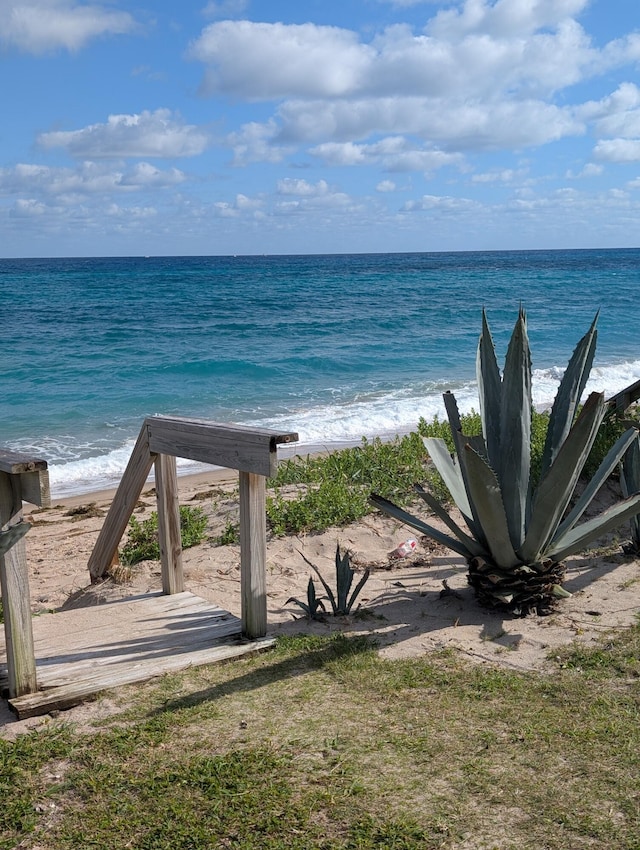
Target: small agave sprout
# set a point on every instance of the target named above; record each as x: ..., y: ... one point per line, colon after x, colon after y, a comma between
x: 341, y: 602
x: 519, y: 534
x: 313, y: 605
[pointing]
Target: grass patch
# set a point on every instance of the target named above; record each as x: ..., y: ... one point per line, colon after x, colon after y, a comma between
x: 323, y: 744
x: 142, y: 542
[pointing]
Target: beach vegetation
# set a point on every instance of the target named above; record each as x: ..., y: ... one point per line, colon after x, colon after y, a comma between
x: 142, y: 541
x: 630, y: 483
x: 405, y: 753
x: 229, y: 535
x: 341, y: 602
x: 314, y: 607
x: 520, y: 529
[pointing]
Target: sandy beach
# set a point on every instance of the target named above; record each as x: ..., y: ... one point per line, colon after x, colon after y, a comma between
x: 412, y: 606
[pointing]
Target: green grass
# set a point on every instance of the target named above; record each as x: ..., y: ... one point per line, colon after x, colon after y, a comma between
x: 322, y: 744
x: 142, y: 541
x: 311, y: 494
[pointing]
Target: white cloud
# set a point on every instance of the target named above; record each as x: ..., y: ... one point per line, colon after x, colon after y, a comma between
x: 38, y: 26
x: 270, y: 61
x: 88, y: 178
x: 504, y: 175
x: 441, y: 203
x: 302, y: 188
x: 393, y: 153
x: 504, y: 17
x: 618, y: 150
x: 386, y: 186
x: 254, y: 143
x: 148, y: 134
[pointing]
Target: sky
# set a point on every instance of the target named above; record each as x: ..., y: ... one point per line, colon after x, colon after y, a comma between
x: 316, y: 126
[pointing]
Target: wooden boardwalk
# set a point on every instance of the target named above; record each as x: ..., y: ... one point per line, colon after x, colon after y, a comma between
x: 83, y: 651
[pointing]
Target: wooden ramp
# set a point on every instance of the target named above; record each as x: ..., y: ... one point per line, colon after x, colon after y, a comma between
x: 83, y: 651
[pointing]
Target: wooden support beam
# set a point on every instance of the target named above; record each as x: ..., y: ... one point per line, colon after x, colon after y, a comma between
x: 232, y: 446
x: 127, y: 494
x: 169, y: 524
x: 14, y: 586
x: 253, y: 555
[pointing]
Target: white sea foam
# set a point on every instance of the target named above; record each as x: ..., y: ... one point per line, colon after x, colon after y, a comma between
x: 331, y: 426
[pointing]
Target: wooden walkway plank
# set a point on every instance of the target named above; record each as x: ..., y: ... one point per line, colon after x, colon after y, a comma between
x: 83, y: 651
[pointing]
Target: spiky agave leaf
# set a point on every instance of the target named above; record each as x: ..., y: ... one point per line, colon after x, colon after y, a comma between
x: 489, y: 389
x: 580, y: 536
x: 414, y: 522
x: 485, y: 495
x: 313, y: 603
x: 609, y: 463
x: 451, y: 474
x: 558, y: 484
x: 471, y: 544
x: 630, y: 482
x: 568, y: 396
x: 512, y: 466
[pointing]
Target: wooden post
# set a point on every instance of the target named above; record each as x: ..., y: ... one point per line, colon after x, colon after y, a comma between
x: 127, y: 494
x: 253, y: 554
x: 169, y: 524
x: 14, y: 585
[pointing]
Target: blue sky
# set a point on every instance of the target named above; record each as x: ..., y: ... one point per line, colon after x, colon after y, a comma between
x: 247, y: 126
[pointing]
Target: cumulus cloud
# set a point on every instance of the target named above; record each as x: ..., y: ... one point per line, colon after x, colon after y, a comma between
x: 618, y: 150
x: 39, y: 26
x: 264, y: 61
x: 148, y: 134
x: 88, y: 179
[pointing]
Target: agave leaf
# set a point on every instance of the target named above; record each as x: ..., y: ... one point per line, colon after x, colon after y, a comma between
x: 579, y: 536
x: 630, y: 482
x: 406, y: 518
x: 471, y: 544
x: 357, y: 590
x: 330, y: 595
x: 630, y: 469
x: 557, y: 486
x: 459, y: 440
x: 450, y: 472
x: 515, y: 432
x: 559, y: 592
x: 489, y: 390
x: 568, y: 396
x: 485, y: 495
x: 605, y: 469
x: 344, y: 578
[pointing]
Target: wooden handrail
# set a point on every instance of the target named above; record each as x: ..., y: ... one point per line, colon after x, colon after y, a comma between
x: 252, y: 451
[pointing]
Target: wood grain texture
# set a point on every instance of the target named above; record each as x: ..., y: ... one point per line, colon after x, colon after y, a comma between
x: 253, y: 554
x: 169, y: 536
x: 14, y: 586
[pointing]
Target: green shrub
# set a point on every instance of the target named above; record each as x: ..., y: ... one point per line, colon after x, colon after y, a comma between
x: 142, y: 543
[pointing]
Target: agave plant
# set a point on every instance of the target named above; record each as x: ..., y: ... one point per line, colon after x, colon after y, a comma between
x: 312, y: 606
x: 630, y: 483
x: 519, y: 534
x: 341, y: 602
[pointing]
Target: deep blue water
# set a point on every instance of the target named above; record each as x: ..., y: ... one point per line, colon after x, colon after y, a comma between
x: 335, y: 347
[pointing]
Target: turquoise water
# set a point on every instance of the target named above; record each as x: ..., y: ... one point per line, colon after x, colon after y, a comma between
x: 333, y: 347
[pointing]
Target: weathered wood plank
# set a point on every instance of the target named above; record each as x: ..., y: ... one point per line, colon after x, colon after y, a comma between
x: 35, y: 488
x: 253, y: 554
x: 169, y: 535
x: 127, y: 494
x: 233, y: 446
x: 626, y: 397
x: 73, y: 693
x: 14, y: 586
x: 15, y: 463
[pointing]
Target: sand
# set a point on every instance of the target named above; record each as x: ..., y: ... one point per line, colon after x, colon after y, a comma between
x: 414, y: 605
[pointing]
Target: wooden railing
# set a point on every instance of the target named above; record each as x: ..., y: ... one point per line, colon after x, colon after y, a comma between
x: 252, y: 451
x: 22, y: 478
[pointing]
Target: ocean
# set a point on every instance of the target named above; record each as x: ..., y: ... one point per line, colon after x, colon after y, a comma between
x: 335, y: 347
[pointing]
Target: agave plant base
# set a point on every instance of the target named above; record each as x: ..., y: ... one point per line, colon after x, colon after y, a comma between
x: 521, y: 591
